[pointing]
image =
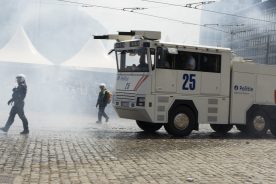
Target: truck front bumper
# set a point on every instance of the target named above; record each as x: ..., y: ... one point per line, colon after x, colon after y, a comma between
x: 133, y: 113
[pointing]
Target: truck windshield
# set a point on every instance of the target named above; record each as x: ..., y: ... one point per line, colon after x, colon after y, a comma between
x: 134, y: 60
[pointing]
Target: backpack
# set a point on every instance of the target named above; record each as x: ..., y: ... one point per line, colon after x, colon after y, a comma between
x: 108, y: 97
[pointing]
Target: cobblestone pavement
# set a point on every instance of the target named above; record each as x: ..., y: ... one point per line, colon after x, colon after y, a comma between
x: 80, y: 151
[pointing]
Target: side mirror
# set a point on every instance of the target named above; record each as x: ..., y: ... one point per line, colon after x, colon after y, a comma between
x: 111, y: 51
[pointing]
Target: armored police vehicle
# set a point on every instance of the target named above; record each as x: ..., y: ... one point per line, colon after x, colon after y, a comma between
x: 180, y: 86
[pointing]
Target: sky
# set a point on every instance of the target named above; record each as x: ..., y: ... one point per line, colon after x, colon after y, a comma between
x: 125, y: 21
x: 59, y: 30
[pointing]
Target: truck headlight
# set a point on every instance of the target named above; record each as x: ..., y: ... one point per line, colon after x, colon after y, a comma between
x: 141, y: 101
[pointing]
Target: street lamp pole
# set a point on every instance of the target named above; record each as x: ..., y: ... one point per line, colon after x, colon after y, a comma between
x: 267, y: 49
x: 231, y: 39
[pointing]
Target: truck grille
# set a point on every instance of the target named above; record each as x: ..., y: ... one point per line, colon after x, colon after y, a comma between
x: 123, y: 96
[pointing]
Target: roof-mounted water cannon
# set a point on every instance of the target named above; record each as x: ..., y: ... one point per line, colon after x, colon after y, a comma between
x: 116, y: 37
x: 123, y: 36
x: 145, y: 35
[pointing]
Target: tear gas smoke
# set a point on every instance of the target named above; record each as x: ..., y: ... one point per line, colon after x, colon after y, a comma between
x: 54, y: 90
x: 58, y: 33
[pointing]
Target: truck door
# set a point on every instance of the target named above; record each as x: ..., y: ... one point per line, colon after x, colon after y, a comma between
x: 165, y: 75
x: 243, y: 91
x: 210, y: 67
x: 189, y: 78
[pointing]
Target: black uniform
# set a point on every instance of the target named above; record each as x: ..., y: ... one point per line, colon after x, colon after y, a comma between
x: 18, y: 96
x: 102, y: 102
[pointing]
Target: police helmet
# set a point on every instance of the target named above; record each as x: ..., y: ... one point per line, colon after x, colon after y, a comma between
x: 21, y: 77
x: 102, y: 85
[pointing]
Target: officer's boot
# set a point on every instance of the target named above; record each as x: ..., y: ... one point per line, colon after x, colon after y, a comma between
x: 24, y: 132
x: 4, y: 129
x: 25, y: 123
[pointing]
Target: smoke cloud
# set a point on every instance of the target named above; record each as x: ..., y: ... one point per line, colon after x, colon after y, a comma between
x: 58, y: 32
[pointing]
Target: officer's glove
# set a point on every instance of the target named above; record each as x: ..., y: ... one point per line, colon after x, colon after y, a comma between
x: 10, y: 102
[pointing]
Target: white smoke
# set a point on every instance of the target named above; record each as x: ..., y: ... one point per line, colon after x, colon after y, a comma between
x: 58, y: 33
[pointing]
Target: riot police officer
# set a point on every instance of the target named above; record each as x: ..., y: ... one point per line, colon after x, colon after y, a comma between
x: 17, y: 100
x: 102, y: 103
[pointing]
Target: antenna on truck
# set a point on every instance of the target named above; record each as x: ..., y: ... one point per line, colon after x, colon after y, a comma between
x: 123, y: 36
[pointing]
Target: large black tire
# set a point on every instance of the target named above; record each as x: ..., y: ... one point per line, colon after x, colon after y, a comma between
x: 149, y: 127
x: 223, y: 129
x: 258, y: 123
x: 181, y: 122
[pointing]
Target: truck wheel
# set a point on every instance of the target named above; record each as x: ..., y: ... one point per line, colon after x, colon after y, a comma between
x: 149, y: 127
x: 221, y: 128
x: 181, y: 122
x: 242, y: 128
x: 258, y: 123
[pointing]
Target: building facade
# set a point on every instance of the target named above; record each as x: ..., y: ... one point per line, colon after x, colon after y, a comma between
x: 247, y: 37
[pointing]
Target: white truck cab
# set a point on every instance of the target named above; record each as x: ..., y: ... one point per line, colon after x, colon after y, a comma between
x: 181, y: 86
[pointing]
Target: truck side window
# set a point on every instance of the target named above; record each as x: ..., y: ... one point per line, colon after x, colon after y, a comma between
x: 164, y: 59
x: 169, y: 61
x: 186, y: 61
x: 210, y: 63
x: 122, y: 64
x: 152, y: 57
